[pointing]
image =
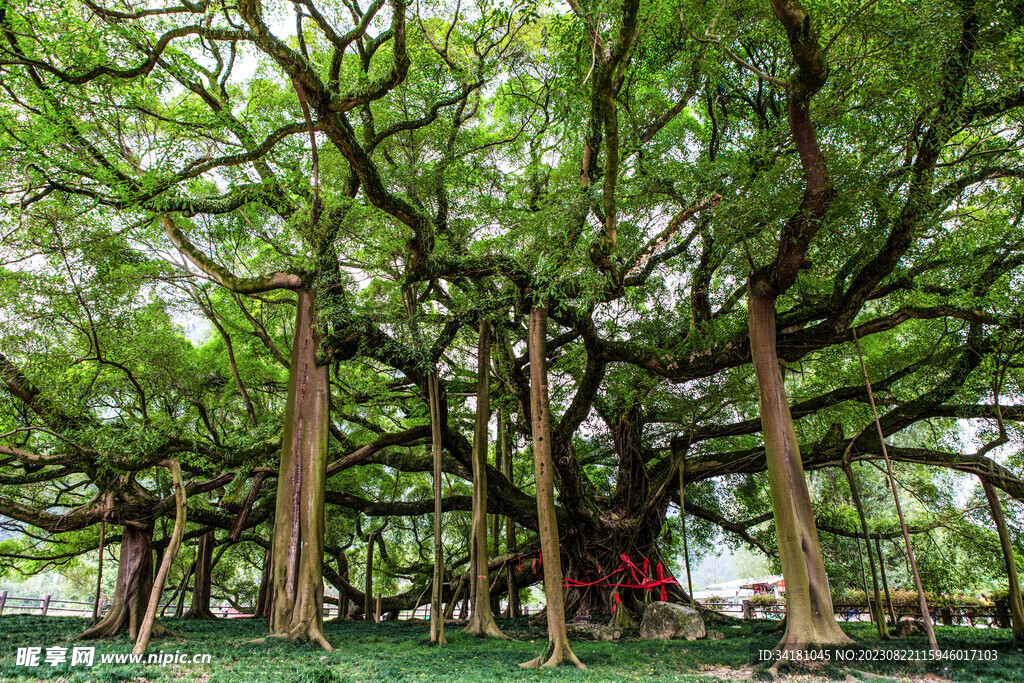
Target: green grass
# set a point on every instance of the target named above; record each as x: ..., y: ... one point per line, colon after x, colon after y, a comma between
x: 399, y: 652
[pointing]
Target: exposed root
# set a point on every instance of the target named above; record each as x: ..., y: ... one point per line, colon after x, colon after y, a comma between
x: 107, y: 627
x: 321, y: 640
x: 557, y: 653
x: 482, y: 629
x: 305, y: 631
x: 161, y: 631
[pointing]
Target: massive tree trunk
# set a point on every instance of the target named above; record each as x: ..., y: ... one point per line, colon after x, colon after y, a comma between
x: 1016, y: 606
x: 594, y: 547
x: 297, y: 590
x: 809, y: 616
x: 200, y: 608
x: 481, y: 621
x: 134, y: 583
x: 594, y: 554
x: 558, y: 639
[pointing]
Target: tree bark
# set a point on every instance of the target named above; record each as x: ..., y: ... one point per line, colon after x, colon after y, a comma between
x: 481, y: 620
x: 296, y: 588
x: 558, y: 650
x: 200, y: 608
x: 180, y: 512
x: 809, y: 616
x: 134, y: 582
x: 1016, y: 606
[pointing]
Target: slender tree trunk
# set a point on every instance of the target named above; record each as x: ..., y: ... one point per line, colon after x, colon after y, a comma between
x: 513, y: 609
x: 449, y: 610
x: 133, y: 585
x: 495, y: 520
x: 558, y: 639
x: 878, y: 615
x: 809, y: 616
x: 885, y: 581
x: 179, y: 608
x: 1016, y: 606
x: 921, y: 601
x: 437, y: 589
x: 342, y: 598
x: 682, y: 518
x: 99, y: 572
x: 297, y: 588
x: 368, y: 591
x: 481, y: 620
x: 437, y: 610
x: 181, y: 506
x: 265, y: 595
x: 200, y: 608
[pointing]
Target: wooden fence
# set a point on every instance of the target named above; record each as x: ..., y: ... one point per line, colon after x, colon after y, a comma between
x: 47, y: 606
x: 958, y: 615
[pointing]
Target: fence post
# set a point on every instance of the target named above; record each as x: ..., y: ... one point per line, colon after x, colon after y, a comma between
x: 45, y: 605
x: 3, y: 601
x: 747, y: 612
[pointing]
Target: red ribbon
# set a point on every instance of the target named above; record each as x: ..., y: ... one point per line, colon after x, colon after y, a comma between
x: 635, y: 577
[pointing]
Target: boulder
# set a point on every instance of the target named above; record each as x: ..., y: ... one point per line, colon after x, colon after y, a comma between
x: 665, y: 620
x: 908, y: 626
x: 716, y: 635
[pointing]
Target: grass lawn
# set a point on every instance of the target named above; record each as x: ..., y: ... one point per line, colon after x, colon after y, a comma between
x: 395, y: 652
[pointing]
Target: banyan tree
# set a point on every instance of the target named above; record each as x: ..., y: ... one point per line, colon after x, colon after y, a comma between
x: 649, y: 235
